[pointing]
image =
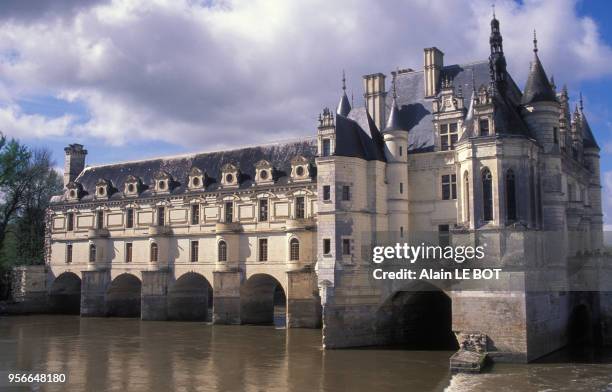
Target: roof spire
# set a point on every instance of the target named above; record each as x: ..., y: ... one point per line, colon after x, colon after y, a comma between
x: 538, y: 87
x: 394, y: 84
x: 393, y: 120
x: 535, y: 42
x: 344, y: 107
x: 493, y: 8
x: 343, y: 81
x: 581, y: 103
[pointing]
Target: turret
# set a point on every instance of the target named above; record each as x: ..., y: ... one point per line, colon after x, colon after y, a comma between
x: 74, y: 162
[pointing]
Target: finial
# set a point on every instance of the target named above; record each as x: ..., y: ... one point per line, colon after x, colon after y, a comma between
x: 343, y: 81
x: 473, y: 81
x: 352, y: 99
x: 459, y: 91
x: 581, y: 103
x: 394, y: 85
x: 493, y: 8
x: 535, y: 42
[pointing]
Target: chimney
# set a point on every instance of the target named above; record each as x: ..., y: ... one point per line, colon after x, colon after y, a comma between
x: 74, y: 162
x: 434, y: 61
x: 374, y: 87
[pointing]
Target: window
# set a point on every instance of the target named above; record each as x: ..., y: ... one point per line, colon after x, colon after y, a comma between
x: 70, y: 221
x: 326, y: 246
x: 555, y: 135
x: 263, y: 249
x: 195, y: 245
x: 300, y: 210
x: 195, y: 214
x: 229, y: 212
x: 100, y: 220
x: 484, y: 127
x: 68, y: 253
x: 487, y: 195
x: 294, y: 249
x: 263, y: 210
x: 401, y: 187
x: 443, y: 235
x: 326, y: 147
x: 128, y: 252
x: 346, y: 246
x: 129, y: 218
x: 400, y: 151
x: 326, y: 192
x: 401, y: 231
x: 346, y: 192
x: 510, y: 196
x: 161, y: 215
x: 448, y: 136
x: 92, y: 253
x: 466, y: 195
x: 222, y: 251
x: 154, y: 252
x: 449, y: 187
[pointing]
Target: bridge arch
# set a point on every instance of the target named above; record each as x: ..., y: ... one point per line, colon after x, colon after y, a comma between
x: 123, y: 296
x: 190, y: 298
x: 65, y: 294
x: 263, y: 301
x: 418, y: 317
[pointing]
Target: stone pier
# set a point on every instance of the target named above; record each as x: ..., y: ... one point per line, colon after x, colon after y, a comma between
x: 154, y: 295
x: 93, y: 293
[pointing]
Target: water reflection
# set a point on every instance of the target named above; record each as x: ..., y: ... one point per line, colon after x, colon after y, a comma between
x: 127, y: 354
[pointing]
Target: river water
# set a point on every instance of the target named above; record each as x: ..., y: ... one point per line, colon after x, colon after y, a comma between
x: 99, y: 354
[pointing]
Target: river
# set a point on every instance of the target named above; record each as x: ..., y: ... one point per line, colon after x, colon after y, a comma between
x: 114, y: 354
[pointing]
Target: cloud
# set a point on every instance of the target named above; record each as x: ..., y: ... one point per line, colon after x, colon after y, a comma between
x: 222, y: 73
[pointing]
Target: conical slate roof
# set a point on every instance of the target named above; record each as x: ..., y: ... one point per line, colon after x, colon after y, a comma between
x: 588, y: 140
x: 538, y: 87
x: 393, y: 122
x: 344, y: 107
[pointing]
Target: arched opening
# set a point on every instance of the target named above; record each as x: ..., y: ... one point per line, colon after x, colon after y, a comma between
x: 190, y: 298
x: 579, y: 327
x: 510, y: 196
x: 294, y: 249
x: 487, y: 195
x: 65, y: 294
x: 222, y: 251
x: 263, y: 301
x: 123, y: 296
x: 418, y: 319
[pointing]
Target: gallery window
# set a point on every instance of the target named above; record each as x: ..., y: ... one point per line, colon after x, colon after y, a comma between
x: 128, y: 252
x: 263, y: 210
x: 222, y: 251
x: 294, y: 249
x: 68, y: 253
x: 448, y: 136
x: 195, y: 245
x: 129, y: 218
x: 92, y: 253
x: 161, y: 216
x: 263, y: 249
x: 154, y: 254
x: 195, y: 214
x: 100, y: 219
x: 300, y: 208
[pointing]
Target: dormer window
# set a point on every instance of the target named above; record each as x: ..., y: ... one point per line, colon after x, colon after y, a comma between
x: 483, y: 124
x: 300, y: 168
x: 326, y: 150
x: 229, y: 175
x: 263, y: 172
x: 103, y: 189
x: 448, y: 136
x: 132, y: 186
x: 196, y: 178
x: 74, y: 191
x: 163, y: 182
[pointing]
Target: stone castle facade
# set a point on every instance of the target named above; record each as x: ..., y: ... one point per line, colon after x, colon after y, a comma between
x: 456, y: 152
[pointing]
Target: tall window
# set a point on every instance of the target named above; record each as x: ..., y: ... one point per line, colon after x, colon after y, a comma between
x: 532, y: 197
x: 263, y: 249
x: 154, y: 252
x: 448, y: 136
x: 195, y: 214
x: 68, y: 253
x: 326, y: 147
x: 466, y: 195
x: 195, y: 245
x: 555, y: 135
x: 443, y: 235
x: 128, y: 252
x: 229, y: 212
x: 510, y: 196
x: 449, y: 187
x: 263, y: 210
x: 294, y: 249
x: 129, y: 218
x: 92, y: 253
x: 401, y: 187
x: 346, y: 192
x: 161, y: 216
x: 300, y: 210
x: 346, y: 246
x: 326, y: 192
x: 484, y: 127
x: 70, y: 221
x: 487, y: 195
x: 326, y: 246
x: 100, y: 219
x: 222, y: 251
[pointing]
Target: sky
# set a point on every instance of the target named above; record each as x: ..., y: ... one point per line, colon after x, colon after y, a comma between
x: 132, y: 79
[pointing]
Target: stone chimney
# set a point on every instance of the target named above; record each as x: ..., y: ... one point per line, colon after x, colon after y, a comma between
x: 74, y: 162
x: 434, y: 61
x: 374, y: 87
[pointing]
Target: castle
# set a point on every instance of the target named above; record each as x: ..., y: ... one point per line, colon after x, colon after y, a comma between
x: 454, y: 152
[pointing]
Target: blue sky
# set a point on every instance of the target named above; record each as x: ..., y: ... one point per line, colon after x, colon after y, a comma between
x: 140, y: 78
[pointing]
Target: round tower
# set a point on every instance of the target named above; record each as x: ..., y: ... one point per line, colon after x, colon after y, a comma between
x: 396, y: 146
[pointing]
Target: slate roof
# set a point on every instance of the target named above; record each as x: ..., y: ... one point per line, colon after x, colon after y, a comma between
x: 588, y: 140
x: 278, y: 154
x: 537, y: 88
x: 352, y: 140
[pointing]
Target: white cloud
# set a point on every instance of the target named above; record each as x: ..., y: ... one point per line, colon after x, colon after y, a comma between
x: 245, y: 71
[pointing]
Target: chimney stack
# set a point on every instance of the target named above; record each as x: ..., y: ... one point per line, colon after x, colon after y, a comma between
x: 74, y: 162
x: 374, y: 87
x: 434, y: 61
